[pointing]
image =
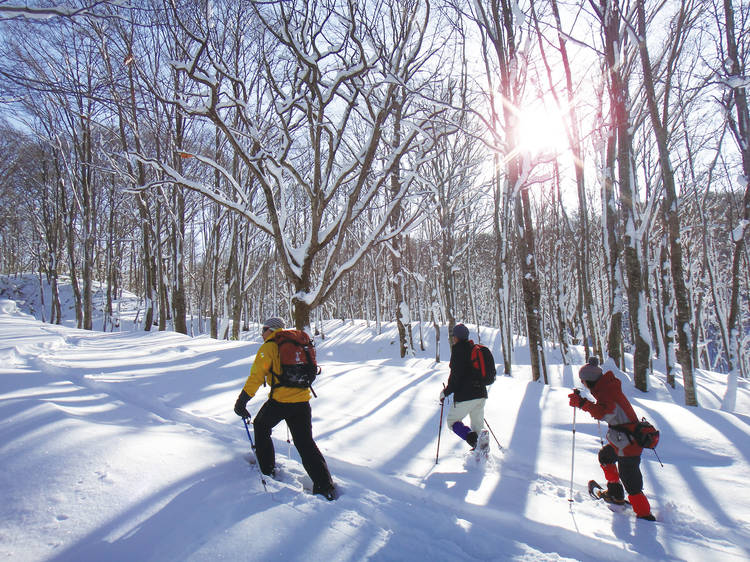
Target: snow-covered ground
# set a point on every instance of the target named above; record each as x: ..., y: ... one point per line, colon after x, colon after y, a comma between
x: 124, y: 446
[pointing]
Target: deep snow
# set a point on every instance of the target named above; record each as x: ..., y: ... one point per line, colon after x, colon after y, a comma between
x: 124, y: 446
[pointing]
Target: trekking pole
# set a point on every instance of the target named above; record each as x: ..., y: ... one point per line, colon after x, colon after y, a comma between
x: 440, y: 429
x: 499, y: 446
x: 573, y: 452
x: 288, y: 443
x: 658, y: 458
x: 252, y: 445
x: 599, y: 426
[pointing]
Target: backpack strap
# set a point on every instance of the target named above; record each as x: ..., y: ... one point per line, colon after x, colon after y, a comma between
x: 628, y: 429
x: 273, y: 375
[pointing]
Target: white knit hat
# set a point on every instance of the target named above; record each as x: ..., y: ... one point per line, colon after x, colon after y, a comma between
x: 273, y: 323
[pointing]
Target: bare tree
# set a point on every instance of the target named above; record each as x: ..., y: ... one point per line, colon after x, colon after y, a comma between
x: 613, y: 22
x: 670, y: 207
x: 311, y: 135
x: 587, y: 316
x: 734, y: 73
x: 501, y: 29
x: 10, y: 10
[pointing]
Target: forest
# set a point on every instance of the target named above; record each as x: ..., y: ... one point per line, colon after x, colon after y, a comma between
x: 571, y: 172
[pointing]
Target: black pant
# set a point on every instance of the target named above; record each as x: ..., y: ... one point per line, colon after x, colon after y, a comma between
x: 298, y: 418
x: 628, y: 467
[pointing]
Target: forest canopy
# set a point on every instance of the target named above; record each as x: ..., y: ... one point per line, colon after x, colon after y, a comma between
x: 573, y: 172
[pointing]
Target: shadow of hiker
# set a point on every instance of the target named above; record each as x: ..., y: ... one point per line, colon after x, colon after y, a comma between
x: 641, y: 535
x: 459, y: 483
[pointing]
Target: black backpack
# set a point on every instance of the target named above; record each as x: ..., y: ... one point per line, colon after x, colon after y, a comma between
x: 483, y: 364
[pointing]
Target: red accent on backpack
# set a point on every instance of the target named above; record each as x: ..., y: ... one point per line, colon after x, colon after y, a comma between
x: 483, y: 364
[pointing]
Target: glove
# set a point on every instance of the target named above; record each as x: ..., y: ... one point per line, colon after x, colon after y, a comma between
x: 442, y: 396
x: 240, y: 407
x: 576, y: 400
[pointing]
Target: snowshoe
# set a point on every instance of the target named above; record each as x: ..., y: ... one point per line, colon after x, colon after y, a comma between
x: 599, y: 493
x: 482, y: 448
x: 483, y: 443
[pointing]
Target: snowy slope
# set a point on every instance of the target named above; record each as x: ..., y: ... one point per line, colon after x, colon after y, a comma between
x: 124, y: 446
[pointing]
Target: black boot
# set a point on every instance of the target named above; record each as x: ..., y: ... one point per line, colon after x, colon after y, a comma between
x: 328, y: 491
x: 471, y: 439
x: 614, y: 493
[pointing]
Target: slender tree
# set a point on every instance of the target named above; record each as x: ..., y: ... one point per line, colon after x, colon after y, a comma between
x: 670, y: 206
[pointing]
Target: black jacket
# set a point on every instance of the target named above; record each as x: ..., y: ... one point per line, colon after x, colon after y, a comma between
x: 461, y: 382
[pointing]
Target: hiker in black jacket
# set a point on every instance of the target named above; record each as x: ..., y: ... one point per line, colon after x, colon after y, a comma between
x: 469, y: 393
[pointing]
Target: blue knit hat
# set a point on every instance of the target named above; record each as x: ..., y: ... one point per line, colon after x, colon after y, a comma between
x: 461, y: 332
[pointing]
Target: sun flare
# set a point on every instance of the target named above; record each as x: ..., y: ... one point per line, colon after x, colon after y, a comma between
x: 541, y: 131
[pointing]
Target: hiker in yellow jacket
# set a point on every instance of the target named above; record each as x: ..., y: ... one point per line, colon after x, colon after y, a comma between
x: 284, y: 403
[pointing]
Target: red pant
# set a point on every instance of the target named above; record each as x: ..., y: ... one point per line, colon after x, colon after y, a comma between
x: 629, y: 473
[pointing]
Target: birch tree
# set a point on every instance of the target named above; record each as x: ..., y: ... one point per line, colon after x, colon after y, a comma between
x: 734, y: 74
x: 670, y: 207
x: 613, y: 23
x: 500, y: 24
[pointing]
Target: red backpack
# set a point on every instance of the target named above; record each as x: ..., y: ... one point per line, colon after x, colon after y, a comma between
x: 642, y: 433
x: 645, y: 434
x: 299, y: 367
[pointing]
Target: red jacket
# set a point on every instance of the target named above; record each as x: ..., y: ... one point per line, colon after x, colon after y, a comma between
x: 613, y: 407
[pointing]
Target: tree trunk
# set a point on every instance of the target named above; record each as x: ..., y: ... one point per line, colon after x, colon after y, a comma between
x: 614, y: 335
x: 667, y: 314
x: 436, y: 327
x: 72, y: 265
x: 88, y: 214
x: 397, y: 245
x: 530, y: 284
x: 670, y: 209
x: 635, y: 286
x: 179, y: 306
x: 741, y: 131
x: 501, y: 268
x: 215, y: 263
x: 301, y: 313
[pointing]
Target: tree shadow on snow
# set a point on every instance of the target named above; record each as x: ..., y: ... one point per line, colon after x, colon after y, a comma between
x: 512, y: 491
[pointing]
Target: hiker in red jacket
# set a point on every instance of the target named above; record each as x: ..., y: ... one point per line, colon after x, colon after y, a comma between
x: 613, y: 407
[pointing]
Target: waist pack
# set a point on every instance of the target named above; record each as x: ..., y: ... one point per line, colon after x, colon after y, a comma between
x: 483, y: 364
x: 642, y: 433
x: 299, y: 367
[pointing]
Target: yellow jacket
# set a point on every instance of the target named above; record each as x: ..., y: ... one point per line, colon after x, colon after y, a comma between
x: 267, y: 360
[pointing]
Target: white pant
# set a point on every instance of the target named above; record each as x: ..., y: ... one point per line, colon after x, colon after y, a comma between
x: 474, y: 408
